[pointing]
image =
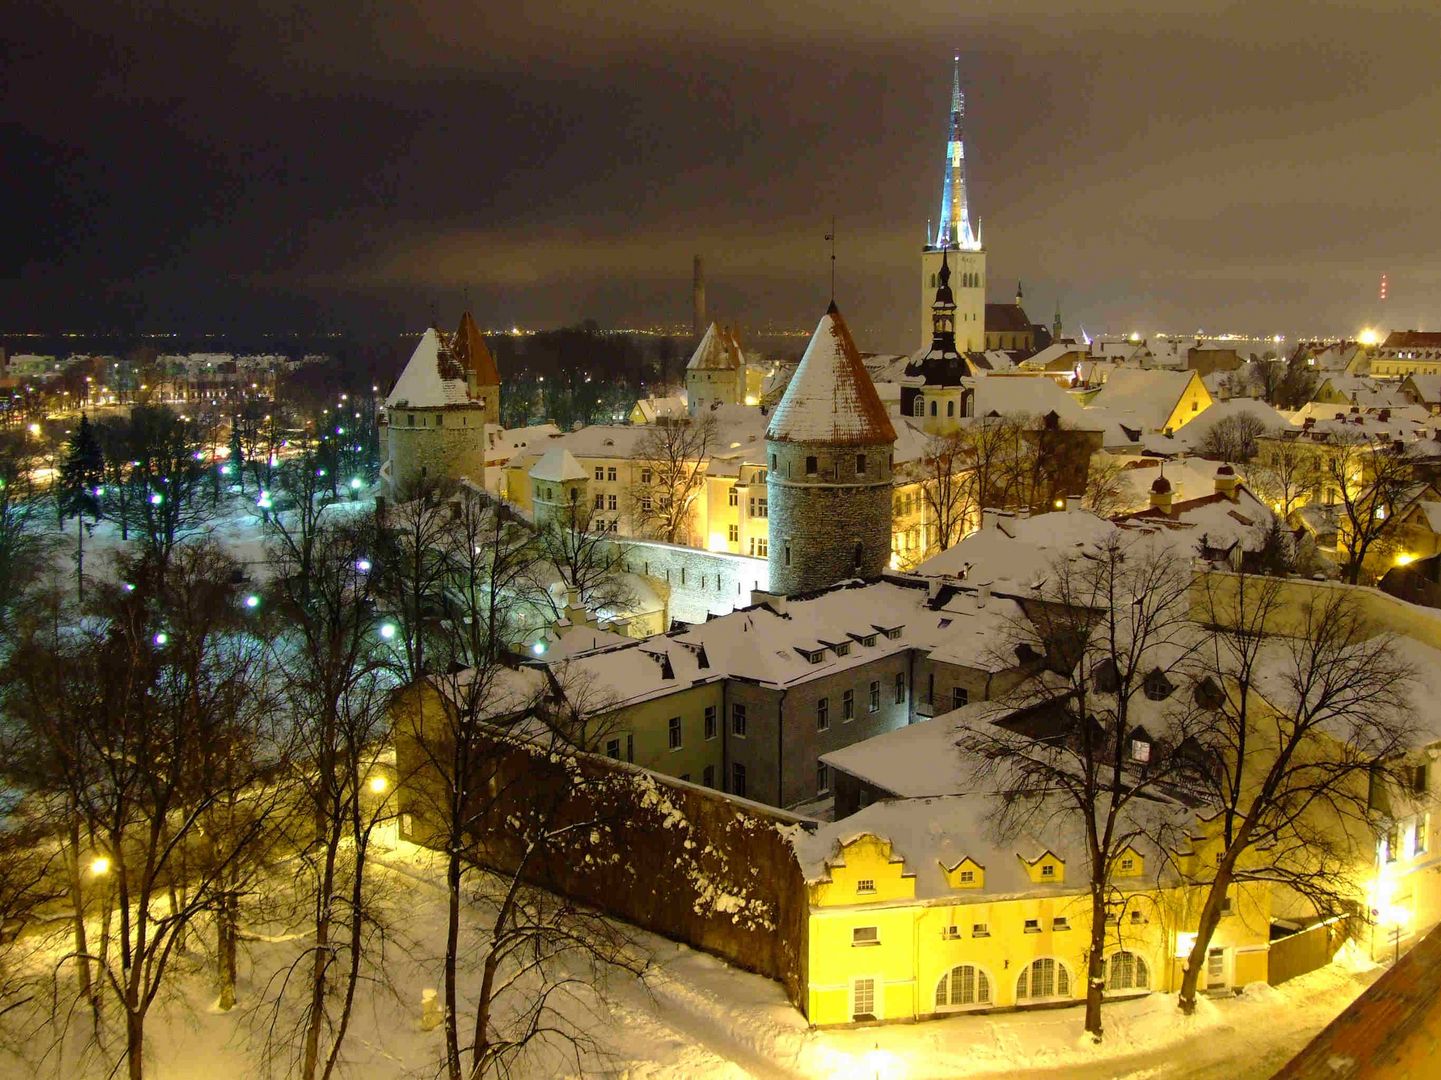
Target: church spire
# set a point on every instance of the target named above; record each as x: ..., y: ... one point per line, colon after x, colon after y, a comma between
x: 955, y: 227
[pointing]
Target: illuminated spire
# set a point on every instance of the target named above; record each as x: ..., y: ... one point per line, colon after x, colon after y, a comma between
x: 955, y: 227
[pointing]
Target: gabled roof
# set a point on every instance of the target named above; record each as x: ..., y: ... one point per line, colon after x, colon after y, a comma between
x: 1149, y: 395
x: 1412, y: 339
x: 470, y: 349
x: 830, y: 398
x: 717, y: 351
x: 558, y: 465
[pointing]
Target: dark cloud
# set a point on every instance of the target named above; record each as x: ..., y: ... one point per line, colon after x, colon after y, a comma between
x: 1162, y: 164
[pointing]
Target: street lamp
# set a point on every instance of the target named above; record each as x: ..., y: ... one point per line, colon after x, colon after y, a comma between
x: 99, y: 866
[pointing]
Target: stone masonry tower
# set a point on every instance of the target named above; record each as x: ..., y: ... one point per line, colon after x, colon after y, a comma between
x: 436, y: 416
x: 829, y: 481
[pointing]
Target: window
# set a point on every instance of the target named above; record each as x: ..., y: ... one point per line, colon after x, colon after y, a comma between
x: 599, y: 473
x: 900, y: 688
x: 610, y: 502
x: 738, y: 720
x: 1060, y: 923
x: 1049, y: 870
x: 865, y: 935
x: 1127, y: 864
x: 1393, y: 842
x: 843, y: 648
x: 733, y: 533
x: 963, y: 985
x: 610, y: 474
x: 866, y: 885
x: 673, y: 732
x: 734, y: 497
x: 950, y: 933
x: 1137, y: 918
x: 1420, y: 837
x: 788, y: 552
x: 863, y: 999
x: 1127, y: 971
x: 738, y: 779
x: 1140, y: 751
x: 980, y: 929
x: 710, y: 721
x: 950, y: 408
x: 823, y: 778
x: 600, y: 502
x: 1044, y: 978
x: 875, y: 695
x: 848, y: 705
x: 760, y: 546
x: 1226, y: 904
x: 894, y: 633
x: 645, y: 503
x: 810, y: 464
x: 758, y: 507
x: 1033, y: 926
x: 1417, y: 779
x: 960, y: 696
x: 707, y: 776
x: 860, y: 464
x: 612, y: 748
x: 1157, y: 687
x: 933, y: 408
x: 823, y: 714
x: 1216, y: 966
x: 968, y: 877
x: 920, y: 409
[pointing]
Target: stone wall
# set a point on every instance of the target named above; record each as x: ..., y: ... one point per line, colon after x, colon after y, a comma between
x: 694, y: 865
x: 701, y: 582
x: 818, y: 521
x: 452, y: 449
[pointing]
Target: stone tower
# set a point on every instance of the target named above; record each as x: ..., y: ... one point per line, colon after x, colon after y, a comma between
x: 828, y: 486
x: 954, y: 235
x: 716, y: 373
x: 436, y: 416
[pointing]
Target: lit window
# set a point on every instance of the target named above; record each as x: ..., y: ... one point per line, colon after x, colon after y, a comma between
x: 963, y: 985
x: 866, y: 885
x: 980, y: 929
x: 1033, y: 926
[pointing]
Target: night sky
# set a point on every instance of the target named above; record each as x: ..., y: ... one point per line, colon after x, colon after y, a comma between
x: 1156, y: 164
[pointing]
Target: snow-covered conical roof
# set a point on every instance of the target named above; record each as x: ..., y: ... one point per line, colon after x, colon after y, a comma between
x: 431, y: 378
x: 558, y: 465
x: 717, y: 351
x: 471, y: 351
x: 831, y: 398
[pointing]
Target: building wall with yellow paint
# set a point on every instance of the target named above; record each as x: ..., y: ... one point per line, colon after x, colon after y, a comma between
x: 1195, y: 399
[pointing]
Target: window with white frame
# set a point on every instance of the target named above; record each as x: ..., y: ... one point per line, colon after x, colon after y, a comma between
x: 823, y: 714
x: 963, y: 985
x: 673, y: 732
x: 610, y: 473
x: 1127, y: 971
x: 863, y: 999
x: 1043, y: 978
x: 866, y: 935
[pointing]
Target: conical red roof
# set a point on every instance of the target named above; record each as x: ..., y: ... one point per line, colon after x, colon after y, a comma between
x: 831, y: 398
x: 469, y: 348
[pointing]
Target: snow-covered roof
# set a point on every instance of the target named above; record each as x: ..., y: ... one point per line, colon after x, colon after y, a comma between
x: 1427, y: 386
x: 717, y: 351
x: 935, y: 834
x: 558, y: 465
x: 1193, y: 434
x: 437, y: 373
x: 1150, y: 395
x: 920, y: 759
x: 830, y: 398
x: 651, y: 409
x: 1027, y: 395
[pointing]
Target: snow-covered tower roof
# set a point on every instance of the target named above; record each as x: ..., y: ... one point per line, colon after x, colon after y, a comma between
x: 432, y: 377
x: 831, y: 398
x: 717, y: 351
x: 558, y: 465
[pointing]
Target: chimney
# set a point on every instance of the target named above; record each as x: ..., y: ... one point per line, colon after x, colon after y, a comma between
x: 1227, y: 482
x: 697, y: 288
x: 1161, y: 495
x: 1073, y: 503
x: 982, y: 595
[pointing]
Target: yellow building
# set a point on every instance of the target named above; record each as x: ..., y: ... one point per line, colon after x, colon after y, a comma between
x: 1154, y: 399
x: 917, y: 911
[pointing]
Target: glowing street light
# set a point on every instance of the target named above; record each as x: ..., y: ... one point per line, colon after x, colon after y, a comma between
x: 388, y: 631
x: 378, y: 784
x: 356, y: 483
x: 252, y: 601
x: 99, y: 866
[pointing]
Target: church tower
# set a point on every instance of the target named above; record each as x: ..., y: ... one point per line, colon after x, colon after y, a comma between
x: 955, y: 235
x: 828, y: 486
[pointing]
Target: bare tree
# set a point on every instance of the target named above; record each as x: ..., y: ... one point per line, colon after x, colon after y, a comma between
x: 1373, y: 484
x: 337, y: 667
x: 586, y: 557
x: 1105, y: 493
x: 672, y: 457
x: 948, y: 486
x: 1296, y: 729
x: 1117, y: 637
x: 1233, y: 439
x: 22, y: 545
x: 411, y: 565
x: 1284, y: 473
x: 168, y: 475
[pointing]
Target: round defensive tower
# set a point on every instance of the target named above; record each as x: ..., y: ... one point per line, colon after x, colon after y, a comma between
x: 829, y: 447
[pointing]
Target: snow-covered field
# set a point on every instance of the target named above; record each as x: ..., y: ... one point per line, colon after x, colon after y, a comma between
x: 693, y: 1015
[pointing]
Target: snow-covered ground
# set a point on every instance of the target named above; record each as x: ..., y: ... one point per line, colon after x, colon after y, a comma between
x: 693, y: 1015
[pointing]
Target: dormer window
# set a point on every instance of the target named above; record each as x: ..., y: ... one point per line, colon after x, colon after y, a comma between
x: 1157, y: 687
x: 894, y: 633
x: 1209, y: 695
x: 1049, y: 870
x: 1140, y: 751
x: 1107, y: 680
x: 843, y: 649
x: 869, y: 640
x: 866, y: 885
x: 815, y: 656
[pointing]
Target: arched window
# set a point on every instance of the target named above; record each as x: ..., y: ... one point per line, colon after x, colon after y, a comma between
x: 933, y: 408
x: 950, y: 408
x: 1044, y: 978
x: 961, y: 986
x: 1127, y: 971
x: 920, y: 409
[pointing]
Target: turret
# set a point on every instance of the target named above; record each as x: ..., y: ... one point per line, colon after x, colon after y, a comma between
x: 829, y: 446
